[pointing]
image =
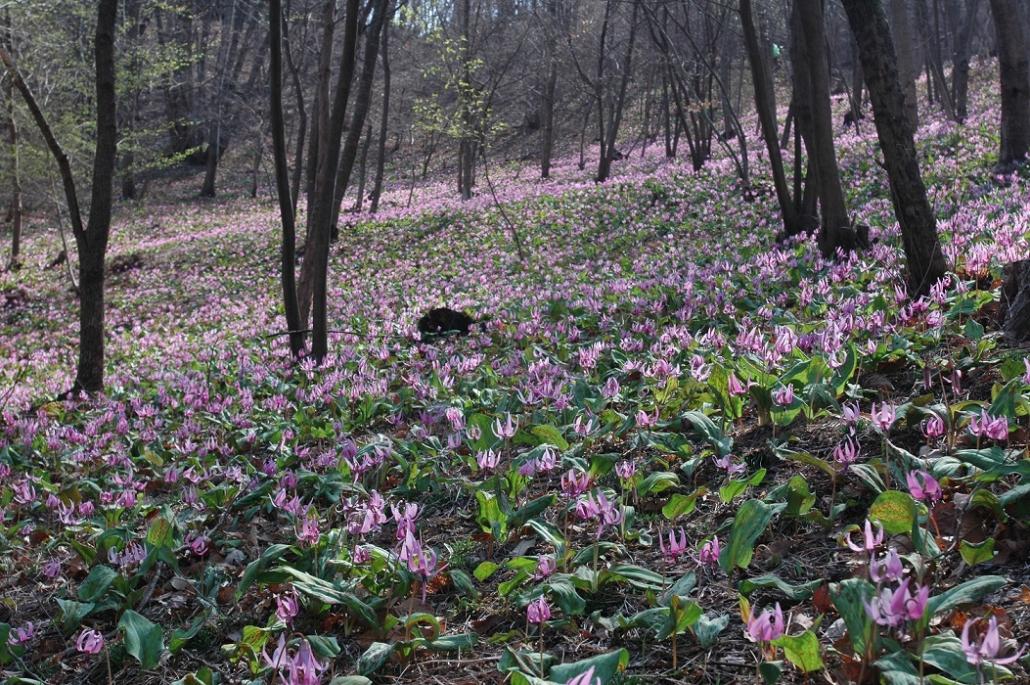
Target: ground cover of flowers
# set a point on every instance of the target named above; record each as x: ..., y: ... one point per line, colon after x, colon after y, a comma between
x: 675, y: 452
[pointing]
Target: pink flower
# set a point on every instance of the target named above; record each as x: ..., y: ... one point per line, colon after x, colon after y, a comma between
x: 545, y: 566
x: 872, y: 540
x: 767, y: 626
x: 987, y: 649
x: 287, y: 606
x: 361, y: 555
x: 933, y: 427
x: 309, y: 533
x: 709, y: 555
x: 610, y: 388
x: 89, y: 641
x: 735, y: 387
x: 992, y: 427
x: 884, y: 417
x: 538, y: 611
x: 574, y: 484
x: 887, y: 568
x: 23, y: 634
x: 784, y: 396
x: 677, y: 546
x: 846, y: 452
x: 923, y: 486
x: 1026, y: 364
x: 625, y: 469
x: 505, y: 430
x: 894, y: 608
x: 487, y: 460
x: 850, y: 413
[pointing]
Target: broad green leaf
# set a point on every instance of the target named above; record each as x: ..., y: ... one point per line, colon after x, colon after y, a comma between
x: 606, y: 666
x: 681, y: 505
x: 978, y: 553
x: 551, y: 435
x: 377, y: 654
x: 96, y: 583
x: 802, y: 651
x: 485, y: 570
x: 967, y: 593
x: 849, y: 597
x: 73, y: 612
x: 751, y: 520
x: 895, y: 510
x: 143, y: 639
x: 708, y: 629
x: 797, y: 593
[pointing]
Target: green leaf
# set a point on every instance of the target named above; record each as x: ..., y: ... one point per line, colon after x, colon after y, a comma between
x: 325, y: 591
x: 708, y: 629
x: 143, y: 639
x: 250, y: 574
x: 797, y: 593
x: 849, y: 597
x: 324, y: 647
x: 73, y: 612
x: 453, y: 643
x: 160, y: 533
x: 485, y: 570
x: 805, y: 459
x: 463, y: 582
x: 967, y: 593
x: 706, y: 427
x: 96, y: 583
x: 978, y: 553
x: 802, y: 651
x: 681, y: 505
x: 895, y: 510
x: 377, y: 654
x: 771, y: 671
x: 605, y: 666
x: 350, y: 680
x: 751, y: 520
x: 180, y: 638
x: 944, y: 653
x: 551, y: 435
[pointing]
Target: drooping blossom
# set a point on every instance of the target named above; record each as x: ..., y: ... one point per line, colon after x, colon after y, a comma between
x: 990, y: 427
x: 871, y: 539
x: 784, y: 396
x: 538, y: 611
x: 709, y: 554
x: 886, y: 568
x: 894, y: 608
x: 923, y: 486
x: 574, y: 483
x: 585, y: 678
x: 287, y: 606
x: 933, y: 427
x: 986, y: 650
x: 89, y: 641
x: 845, y: 452
x: 884, y: 417
x: 507, y: 429
x: 545, y: 566
x: 734, y: 386
x: 626, y: 469
x: 677, y: 546
x: 766, y: 626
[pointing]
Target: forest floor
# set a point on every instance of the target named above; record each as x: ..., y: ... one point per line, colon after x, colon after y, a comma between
x: 657, y: 365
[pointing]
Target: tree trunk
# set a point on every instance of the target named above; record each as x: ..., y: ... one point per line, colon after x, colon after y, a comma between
x: 765, y: 104
x: 359, y: 203
x: 215, y: 147
x: 1015, y: 299
x: 836, y: 232
x: 963, y: 27
x: 1014, y: 67
x: 282, y: 183
x: 12, y: 140
x: 926, y: 263
x: 362, y: 103
x: 314, y: 274
x: 901, y: 29
x: 384, y: 123
x: 550, y: 87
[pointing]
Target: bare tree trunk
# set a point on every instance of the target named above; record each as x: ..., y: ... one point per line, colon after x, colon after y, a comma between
x: 384, y: 122
x: 765, y: 104
x: 836, y: 232
x: 901, y: 29
x: 314, y: 274
x: 550, y: 88
x: 12, y: 140
x: 363, y: 168
x: 963, y: 27
x: 1014, y: 67
x: 90, y: 238
x: 926, y: 263
x: 302, y: 113
x: 362, y: 103
x: 214, y: 147
x: 282, y: 182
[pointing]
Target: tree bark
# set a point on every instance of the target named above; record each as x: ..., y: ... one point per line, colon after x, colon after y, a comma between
x: 901, y: 29
x: 16, y: 208
x: 288, y: 251
x: 836, y: 232
x: 314, y: 274
x: 384, y: 123
x: 765, y: 104
x: 926, y: 263
x: 1014, y: 67
x: 550, y: 87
